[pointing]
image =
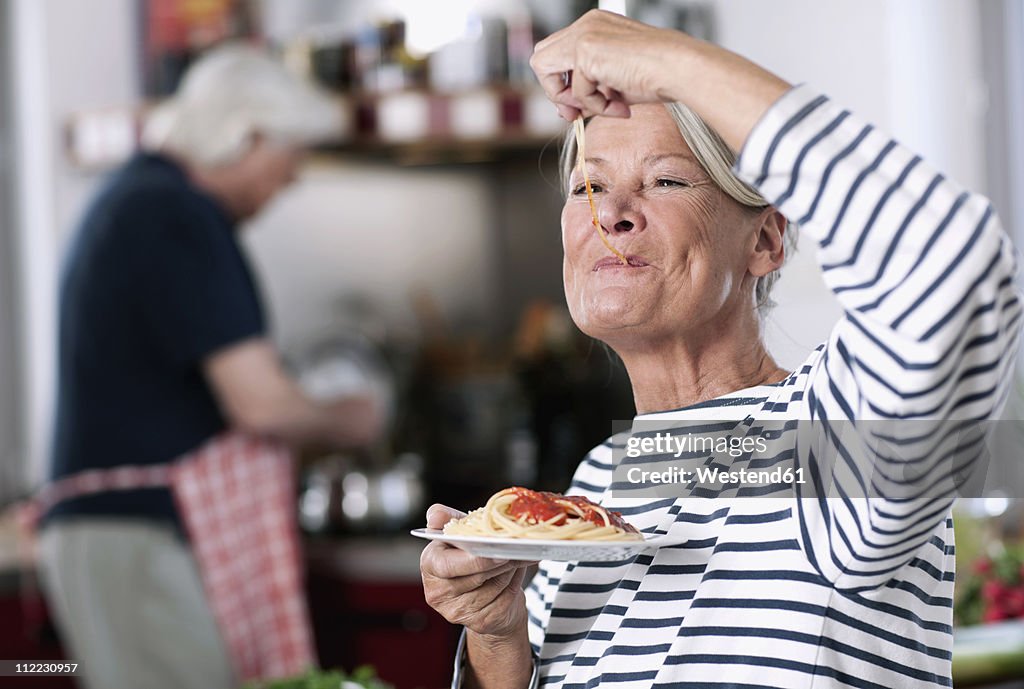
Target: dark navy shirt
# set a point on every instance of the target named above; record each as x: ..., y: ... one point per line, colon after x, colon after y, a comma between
x: 154, y: 283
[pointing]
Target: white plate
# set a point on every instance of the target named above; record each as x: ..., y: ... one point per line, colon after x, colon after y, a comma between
x: 531, y: 550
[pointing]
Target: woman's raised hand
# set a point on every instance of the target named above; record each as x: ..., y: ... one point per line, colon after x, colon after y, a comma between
x: 603, y: 62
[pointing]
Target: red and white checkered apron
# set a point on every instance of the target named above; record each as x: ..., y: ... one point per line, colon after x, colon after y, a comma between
x: 236, y: 497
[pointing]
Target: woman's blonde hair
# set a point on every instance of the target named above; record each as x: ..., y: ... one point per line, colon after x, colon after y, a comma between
x: 717, y: 160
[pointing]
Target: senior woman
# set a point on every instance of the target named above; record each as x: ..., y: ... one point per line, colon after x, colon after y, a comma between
x: 804, y: 592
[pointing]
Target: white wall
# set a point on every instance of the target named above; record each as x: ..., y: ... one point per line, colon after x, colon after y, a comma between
x: 378, y: 231
x: 68, y: 55
x: 10, y: 428
x: 911, y: 67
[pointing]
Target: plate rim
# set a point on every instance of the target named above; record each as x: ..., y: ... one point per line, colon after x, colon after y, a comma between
x: 649, y: 540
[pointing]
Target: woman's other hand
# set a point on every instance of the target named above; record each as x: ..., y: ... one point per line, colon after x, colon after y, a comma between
x: 604, y: 62
x: 486, y: 597
x: 483, y: 595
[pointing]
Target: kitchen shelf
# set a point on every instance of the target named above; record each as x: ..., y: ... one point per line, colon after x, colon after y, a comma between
x: 444, y: 151
x: 471, y: 129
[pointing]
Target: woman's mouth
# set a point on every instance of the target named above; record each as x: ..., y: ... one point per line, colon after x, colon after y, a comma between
x: 615, y: 262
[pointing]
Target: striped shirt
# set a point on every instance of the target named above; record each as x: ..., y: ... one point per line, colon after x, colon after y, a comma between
x: 802, y: 592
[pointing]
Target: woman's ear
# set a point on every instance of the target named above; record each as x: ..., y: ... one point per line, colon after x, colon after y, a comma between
x: 770, y: 249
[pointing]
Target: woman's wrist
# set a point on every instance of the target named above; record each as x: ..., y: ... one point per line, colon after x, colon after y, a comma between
x: 726, y: 89
x: 682, y: 52
x: 498, y: 646
x: 498, y: 661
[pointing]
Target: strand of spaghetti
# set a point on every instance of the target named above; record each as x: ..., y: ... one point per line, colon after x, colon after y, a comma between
x: 575, y: 508
x: 579, y: 129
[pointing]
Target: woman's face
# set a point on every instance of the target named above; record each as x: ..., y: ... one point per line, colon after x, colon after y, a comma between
x: 689, y: 245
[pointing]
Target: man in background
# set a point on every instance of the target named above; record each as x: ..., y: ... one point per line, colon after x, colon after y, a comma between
x: 164, y: 346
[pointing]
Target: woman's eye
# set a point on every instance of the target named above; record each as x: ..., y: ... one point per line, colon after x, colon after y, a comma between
x: 581, y: 189
x: 663, y: 182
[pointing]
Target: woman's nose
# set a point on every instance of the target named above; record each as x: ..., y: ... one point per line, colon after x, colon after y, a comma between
x: 619, y: 213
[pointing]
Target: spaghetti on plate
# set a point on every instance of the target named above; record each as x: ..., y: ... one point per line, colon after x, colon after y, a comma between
x: 523, y: 513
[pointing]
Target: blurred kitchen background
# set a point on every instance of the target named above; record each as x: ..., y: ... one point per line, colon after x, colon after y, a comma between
x: 420, y: 254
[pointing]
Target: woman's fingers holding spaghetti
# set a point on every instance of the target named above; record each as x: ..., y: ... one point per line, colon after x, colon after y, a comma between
x: 603, y: 62
x: 552, y: 63
x: 597, y: 99
x: 566, y: 112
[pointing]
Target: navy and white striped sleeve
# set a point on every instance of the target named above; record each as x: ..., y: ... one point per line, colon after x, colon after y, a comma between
x: 926, y: 278
x: 540, y: 594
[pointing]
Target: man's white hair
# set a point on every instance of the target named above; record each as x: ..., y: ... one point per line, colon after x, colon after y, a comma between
x: 230, y: 93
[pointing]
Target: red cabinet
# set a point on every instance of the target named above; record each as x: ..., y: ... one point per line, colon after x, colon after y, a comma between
x: 366, y: 611
x: 27, y: 633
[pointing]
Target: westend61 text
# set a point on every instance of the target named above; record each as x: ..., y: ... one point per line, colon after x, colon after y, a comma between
x: 676, y: 445
x: 716, y: 476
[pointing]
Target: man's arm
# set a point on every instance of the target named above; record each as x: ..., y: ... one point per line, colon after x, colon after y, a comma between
x: 256, y: 394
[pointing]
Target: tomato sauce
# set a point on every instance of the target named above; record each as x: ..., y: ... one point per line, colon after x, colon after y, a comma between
x: 539, y: 506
